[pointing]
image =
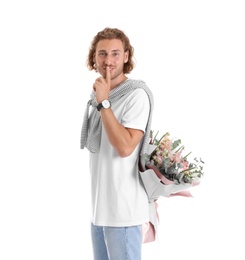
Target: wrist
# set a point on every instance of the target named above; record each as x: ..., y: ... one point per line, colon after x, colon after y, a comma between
x: 104, y: 104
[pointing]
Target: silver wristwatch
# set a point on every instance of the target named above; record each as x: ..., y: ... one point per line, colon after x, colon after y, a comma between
x: 104, y: 104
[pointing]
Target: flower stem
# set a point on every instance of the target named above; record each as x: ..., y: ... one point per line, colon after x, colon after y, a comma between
x: 187, y: 155
x: 162, y: 138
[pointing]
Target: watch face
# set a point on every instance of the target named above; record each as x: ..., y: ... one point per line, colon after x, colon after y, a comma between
x: 106, y: 103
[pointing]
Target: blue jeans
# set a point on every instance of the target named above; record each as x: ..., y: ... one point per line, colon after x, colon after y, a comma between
x: 116, y: 243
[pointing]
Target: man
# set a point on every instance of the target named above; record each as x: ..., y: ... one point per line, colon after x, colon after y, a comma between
x: 116, y: 132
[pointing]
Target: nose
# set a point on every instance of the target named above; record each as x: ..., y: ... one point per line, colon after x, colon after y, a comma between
x: 108, y: 60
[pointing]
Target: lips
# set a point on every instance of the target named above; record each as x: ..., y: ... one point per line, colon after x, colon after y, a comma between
x: 110, y: 68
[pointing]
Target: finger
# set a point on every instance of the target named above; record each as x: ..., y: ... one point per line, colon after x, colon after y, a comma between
x: 108, y: 75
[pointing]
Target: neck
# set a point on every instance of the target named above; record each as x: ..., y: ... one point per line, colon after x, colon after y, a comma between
x: 117, y: 81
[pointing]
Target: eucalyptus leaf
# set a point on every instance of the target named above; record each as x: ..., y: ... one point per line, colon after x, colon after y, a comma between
x: 176, y: 143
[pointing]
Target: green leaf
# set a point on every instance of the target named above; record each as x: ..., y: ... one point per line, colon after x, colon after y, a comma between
x: 176, y: 143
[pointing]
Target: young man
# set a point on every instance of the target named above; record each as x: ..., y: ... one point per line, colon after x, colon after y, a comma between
x: 116, y: 132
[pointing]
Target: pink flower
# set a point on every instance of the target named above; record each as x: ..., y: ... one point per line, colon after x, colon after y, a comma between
x: 185, y: 164
x: 168, y: 157
x: 177, y: 157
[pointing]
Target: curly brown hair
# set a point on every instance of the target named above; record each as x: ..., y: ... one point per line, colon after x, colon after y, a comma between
x: 109, y: 34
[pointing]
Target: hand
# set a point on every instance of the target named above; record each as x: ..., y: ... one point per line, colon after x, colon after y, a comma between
x: 102, y: 86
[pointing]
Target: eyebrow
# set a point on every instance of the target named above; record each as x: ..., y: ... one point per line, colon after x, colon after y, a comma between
x: 111, y: 51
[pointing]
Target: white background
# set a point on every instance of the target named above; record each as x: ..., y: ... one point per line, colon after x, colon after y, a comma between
x: 190, y: 53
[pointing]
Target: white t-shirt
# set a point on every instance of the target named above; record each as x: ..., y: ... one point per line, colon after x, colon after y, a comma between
x: 118, y: 197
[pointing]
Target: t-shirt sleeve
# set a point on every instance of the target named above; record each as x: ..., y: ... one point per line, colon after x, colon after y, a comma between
x: 137, y: 111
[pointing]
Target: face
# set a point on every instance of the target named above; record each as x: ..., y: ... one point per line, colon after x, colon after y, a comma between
x: 110, y: 53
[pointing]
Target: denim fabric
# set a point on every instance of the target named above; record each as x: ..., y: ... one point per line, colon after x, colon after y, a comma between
x: 116, y: 243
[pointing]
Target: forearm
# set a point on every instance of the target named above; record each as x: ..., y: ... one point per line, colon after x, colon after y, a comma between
x: 119, y: 136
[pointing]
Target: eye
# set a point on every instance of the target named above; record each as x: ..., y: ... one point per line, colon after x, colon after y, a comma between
x: 102, y: 54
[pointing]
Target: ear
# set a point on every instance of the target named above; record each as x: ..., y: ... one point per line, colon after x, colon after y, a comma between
x: 126, y: 57
x: 94, y: 58
x: 94, y: 61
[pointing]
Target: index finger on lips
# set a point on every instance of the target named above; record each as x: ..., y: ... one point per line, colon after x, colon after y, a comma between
x: 108, y: 75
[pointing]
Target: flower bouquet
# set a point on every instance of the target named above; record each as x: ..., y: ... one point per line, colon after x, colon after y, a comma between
x: 167, y: 159
x: 167, y: 173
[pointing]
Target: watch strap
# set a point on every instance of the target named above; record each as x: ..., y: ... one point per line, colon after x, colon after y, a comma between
x: 99, y: 106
